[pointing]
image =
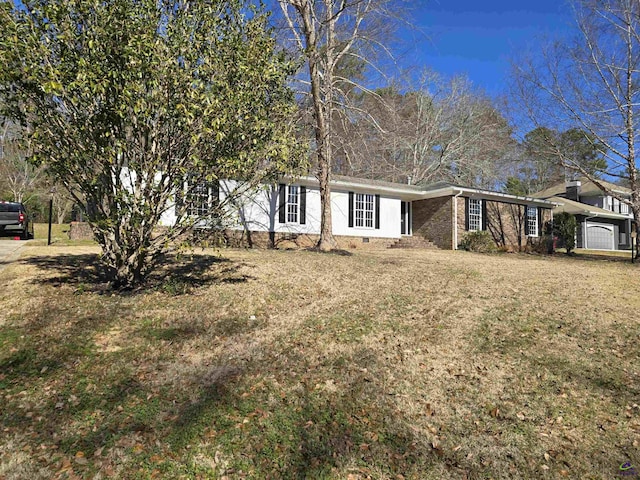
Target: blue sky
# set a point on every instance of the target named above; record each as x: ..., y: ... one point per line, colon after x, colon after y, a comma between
x: 478, y: 38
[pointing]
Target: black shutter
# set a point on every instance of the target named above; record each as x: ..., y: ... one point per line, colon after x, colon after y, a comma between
x: 282, y: 203
x: 350, y: 209
x: 540, y: 222
x: 484, y: 214
x: 466, y: 213
x: 179, y: 200
x: 303, y: 205
x: 215, y: 192
x: 377, y: 212
x: 527, y: 230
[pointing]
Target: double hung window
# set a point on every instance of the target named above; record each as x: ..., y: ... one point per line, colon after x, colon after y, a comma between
x: 292, y: 204
x: 532, y: 221
x: 364, y: 211
x: 198, y: 198
x: 475, y: 214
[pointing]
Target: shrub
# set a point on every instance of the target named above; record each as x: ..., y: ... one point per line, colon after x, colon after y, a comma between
x: 480, y: 242
x: 541, y: 245
x: 564, y: 227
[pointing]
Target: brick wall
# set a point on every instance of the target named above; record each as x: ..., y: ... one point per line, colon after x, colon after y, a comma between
x: 80, y: 231
x: 505, y: 223
x: 431, y: 219
x: 239, y: 238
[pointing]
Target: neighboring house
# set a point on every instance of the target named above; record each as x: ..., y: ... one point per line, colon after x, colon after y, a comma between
x: 604, y: 222
x: 370, y: 211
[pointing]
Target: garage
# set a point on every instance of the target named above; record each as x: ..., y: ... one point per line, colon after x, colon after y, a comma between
x: 600, y: 236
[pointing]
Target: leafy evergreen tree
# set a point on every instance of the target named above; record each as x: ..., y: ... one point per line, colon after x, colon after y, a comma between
x: 123, y: 99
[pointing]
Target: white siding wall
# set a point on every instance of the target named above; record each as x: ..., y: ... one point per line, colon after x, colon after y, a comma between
x: 259, y: 212
x: 389, y: 217
x: 168, y: 217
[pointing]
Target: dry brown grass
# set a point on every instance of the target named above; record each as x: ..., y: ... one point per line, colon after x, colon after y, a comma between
x: 274, y: 364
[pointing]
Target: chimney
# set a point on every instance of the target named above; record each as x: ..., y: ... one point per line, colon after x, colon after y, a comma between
x: 573, y: 190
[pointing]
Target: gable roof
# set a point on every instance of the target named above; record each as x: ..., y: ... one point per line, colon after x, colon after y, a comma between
x: 587, y: 189
x: 578, y: 208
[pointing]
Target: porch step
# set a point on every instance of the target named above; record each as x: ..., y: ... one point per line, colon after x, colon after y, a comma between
x: 414, y: 242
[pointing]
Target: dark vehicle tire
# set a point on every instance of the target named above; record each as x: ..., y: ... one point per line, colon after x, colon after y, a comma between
x: 24, y: 235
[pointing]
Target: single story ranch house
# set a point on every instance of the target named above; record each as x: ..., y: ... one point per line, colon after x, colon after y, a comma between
x: 370, y: 211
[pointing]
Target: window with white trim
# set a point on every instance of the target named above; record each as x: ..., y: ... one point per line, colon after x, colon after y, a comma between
x: 364, y: 211
x: 608, y: 201
x: 475, y: 214
x: 532, y: 221
x: 293, y: 203
x: 199, y: 199
x: 624, y: 208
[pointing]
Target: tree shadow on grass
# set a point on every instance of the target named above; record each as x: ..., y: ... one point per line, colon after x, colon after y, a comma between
x: 309, y: 430
x: 174, y: 275
x: 335, y: 251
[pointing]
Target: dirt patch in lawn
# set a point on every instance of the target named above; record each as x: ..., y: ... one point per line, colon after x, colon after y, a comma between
x: 293, y: 364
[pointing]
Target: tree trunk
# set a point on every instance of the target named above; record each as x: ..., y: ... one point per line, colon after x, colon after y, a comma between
x: 635, y: 208
x: 321, y: 108
x: 327, y: 242
x: 127, y: 257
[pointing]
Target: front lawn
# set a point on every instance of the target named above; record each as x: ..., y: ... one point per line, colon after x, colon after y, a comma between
x: 283, y: 364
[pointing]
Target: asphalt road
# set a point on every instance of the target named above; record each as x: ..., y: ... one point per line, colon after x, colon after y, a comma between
x: 9, y: 251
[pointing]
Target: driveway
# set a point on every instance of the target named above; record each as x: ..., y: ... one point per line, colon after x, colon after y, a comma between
x: 9, y: 251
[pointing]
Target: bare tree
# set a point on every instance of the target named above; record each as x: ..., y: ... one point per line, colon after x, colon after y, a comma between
x: 18, y: 177
x: 438, y: 130
x: 330, y: 35
x: 591, y: 83
x: 62, y: 203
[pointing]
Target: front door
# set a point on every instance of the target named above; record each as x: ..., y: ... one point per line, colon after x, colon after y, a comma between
x: 405, y: 218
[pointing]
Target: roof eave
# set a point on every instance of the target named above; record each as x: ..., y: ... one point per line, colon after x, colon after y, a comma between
x: 341, y: 184
x: 413, y: 193
x: 498, y: 196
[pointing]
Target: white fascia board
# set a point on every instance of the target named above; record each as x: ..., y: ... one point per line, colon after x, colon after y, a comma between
x: 612, y: 215
x: 409, y: 194
x: 496, y: 196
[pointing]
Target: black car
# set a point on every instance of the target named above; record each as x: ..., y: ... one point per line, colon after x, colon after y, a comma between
x: 14, y: 219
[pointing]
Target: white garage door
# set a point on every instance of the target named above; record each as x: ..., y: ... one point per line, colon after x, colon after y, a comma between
x: 599, y: 236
